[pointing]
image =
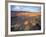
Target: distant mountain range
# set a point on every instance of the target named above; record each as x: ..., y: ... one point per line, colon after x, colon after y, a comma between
x: 24, y: 13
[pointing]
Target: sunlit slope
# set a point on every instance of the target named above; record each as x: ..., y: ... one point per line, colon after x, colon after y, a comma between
x: 24, y: 13
x: 28, y: 14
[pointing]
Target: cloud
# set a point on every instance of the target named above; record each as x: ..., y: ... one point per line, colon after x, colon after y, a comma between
x: 26, y: 8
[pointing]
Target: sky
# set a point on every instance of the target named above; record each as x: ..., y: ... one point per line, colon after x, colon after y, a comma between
x: 25, y: 8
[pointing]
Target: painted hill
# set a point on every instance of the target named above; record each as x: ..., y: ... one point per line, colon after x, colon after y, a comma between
x: 24, y: 13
